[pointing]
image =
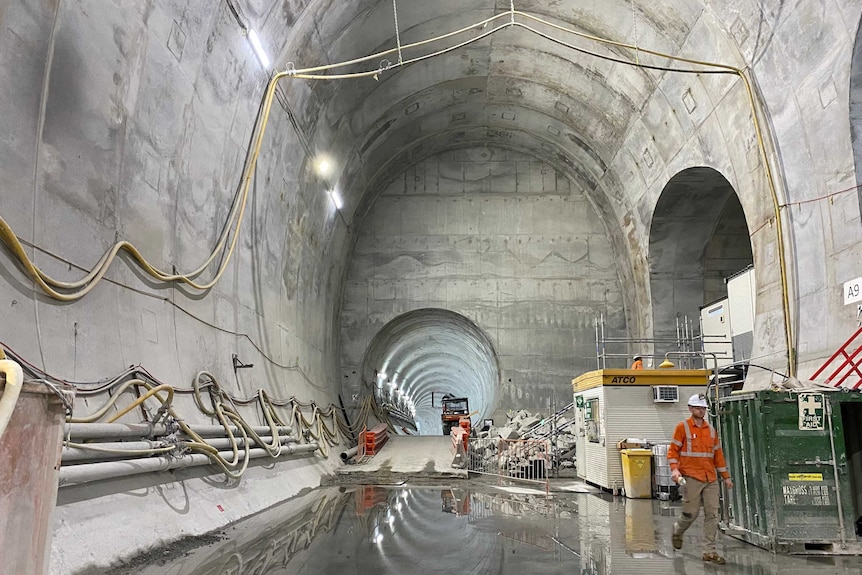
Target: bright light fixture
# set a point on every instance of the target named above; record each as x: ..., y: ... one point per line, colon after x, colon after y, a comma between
x: 324, y: 165
x: 258, y: 48
x: 336, y: 199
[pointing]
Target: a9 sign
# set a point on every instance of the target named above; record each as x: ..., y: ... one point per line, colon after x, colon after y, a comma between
x: 853, y: 291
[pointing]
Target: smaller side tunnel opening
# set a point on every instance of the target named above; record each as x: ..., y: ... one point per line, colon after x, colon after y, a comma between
x: 422, y: 355
x: 699, y: 237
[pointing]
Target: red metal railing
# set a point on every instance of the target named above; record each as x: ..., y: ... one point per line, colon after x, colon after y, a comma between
x: 844, y: 365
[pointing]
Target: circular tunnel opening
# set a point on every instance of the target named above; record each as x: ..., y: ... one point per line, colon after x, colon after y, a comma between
x: 422, y: 355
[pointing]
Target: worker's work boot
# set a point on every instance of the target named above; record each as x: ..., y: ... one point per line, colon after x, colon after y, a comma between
x: 676, y: 539
x: 713, y: 557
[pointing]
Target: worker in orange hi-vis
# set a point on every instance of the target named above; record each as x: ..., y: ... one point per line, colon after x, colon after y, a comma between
x: 696, y: 460
x: 638, y: 362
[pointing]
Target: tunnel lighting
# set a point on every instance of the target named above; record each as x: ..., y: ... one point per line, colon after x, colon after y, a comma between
x: 336, y: 199
x: 323, y: 165
x: 382, y: 375
x: 258, y: 48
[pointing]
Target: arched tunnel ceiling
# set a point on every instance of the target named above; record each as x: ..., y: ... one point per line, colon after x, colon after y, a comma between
x: 572, y: 106
x: 514, y: 88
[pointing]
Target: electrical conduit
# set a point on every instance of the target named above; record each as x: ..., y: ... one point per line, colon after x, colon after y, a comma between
x: 74, y: 452
x: 108, y: 431
x: 87, y: 472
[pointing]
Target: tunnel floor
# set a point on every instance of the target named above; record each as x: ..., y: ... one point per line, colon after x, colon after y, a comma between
x: 463, y: 528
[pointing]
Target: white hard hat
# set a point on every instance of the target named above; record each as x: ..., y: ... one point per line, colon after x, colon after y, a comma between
x: 697, y: 400
x: 637, y: 357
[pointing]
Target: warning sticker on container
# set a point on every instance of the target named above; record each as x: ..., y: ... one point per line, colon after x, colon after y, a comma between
x: 805, y: 476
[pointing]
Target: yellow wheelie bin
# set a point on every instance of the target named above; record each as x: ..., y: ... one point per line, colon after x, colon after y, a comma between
x: 637, y: 473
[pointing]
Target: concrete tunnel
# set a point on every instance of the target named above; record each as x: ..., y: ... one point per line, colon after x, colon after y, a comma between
x: 330, y: 201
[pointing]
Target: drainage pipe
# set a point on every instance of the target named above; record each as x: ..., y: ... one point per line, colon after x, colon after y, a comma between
x: 345, y: 455
x: 87, y: 472
x: 125, y: 449
x: 81, y: 431
x: 14, y: 380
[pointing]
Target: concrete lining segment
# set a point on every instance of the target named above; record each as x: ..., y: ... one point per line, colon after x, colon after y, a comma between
x: 504, y: 239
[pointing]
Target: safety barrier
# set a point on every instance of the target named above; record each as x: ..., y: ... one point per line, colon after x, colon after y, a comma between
x: 844, y: 364
x: 515, y: 459
x: 459, y: 438
x: 373, y: 439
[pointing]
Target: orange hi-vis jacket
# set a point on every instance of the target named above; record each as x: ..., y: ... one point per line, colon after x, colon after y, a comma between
x: 696, y: 451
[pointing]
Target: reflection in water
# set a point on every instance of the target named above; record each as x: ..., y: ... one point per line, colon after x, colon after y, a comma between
x: 277, y: 545
x: 470, y: 530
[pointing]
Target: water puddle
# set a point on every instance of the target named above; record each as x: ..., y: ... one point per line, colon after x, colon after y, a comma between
x: 464, y: 530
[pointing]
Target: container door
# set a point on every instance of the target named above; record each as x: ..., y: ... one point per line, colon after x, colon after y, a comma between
x: 744, y: 509
x: 740, y: 295
x: 851, y: 429
x: 802, y: 471
x: 581, y: 438
x: 716, y: 333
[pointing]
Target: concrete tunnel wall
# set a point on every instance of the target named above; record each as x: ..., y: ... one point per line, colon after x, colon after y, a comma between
x: 509, y: 242
x: 132, y: 121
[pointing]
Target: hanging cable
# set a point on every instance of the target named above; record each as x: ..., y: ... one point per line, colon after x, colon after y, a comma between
x: 75, y: 290
x: 635, y: 27
x: 397, y: 32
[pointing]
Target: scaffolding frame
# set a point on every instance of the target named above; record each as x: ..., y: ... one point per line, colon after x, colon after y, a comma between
x: 686, y: 340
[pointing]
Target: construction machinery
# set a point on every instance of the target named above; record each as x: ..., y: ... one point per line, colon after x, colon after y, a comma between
x: 454, y: 408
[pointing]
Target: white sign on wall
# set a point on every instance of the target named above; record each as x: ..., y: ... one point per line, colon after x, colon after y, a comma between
x: 853, y: 291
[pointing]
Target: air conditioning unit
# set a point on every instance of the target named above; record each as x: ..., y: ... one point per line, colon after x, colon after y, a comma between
x: 665, y: 393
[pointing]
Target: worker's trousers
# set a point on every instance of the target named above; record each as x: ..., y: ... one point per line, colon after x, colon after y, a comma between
x: 694, y: 494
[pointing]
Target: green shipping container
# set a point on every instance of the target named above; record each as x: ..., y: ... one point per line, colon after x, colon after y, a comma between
x: 797, y: 487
